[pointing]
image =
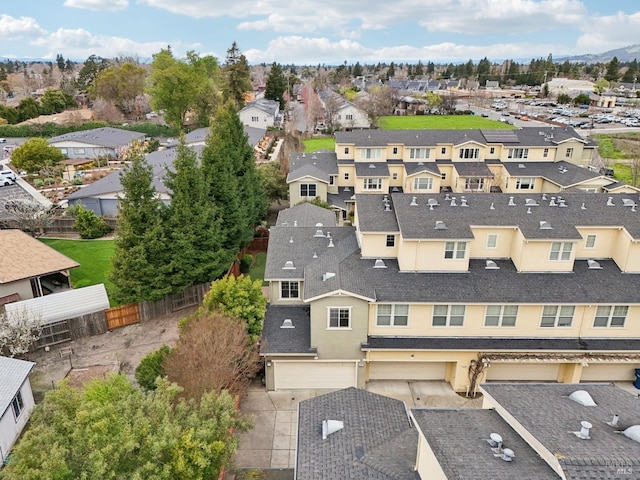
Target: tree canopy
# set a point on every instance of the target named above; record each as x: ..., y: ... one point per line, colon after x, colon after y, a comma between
x: 120, y: 84
x: 236, y: 76
x: 113, y: 430
x: 276, y: 85
x: 36, y: 154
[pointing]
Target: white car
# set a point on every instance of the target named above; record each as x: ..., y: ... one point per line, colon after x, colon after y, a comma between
x: 3, y: 140
x: 7, y: 174
x: 5, y: 181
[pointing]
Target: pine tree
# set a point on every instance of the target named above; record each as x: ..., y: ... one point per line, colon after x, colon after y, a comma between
x: 613, y: 70
x: 276, y: 85
x: 237, y: 76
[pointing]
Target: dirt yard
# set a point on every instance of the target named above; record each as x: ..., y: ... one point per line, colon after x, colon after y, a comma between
x: 119, y: 350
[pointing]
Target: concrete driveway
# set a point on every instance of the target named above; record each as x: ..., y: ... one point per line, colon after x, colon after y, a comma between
x: 272, y: 441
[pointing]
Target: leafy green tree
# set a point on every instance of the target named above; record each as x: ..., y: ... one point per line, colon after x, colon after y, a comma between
x: 582, y: 99
x: 206, y: 96
x: 140, y: 258
x: 113, y: 430
x: 273, y: 181
x: 192, y: 225
x: 601, y: 85
x: 238, y: 297
x: 150, y: 368
x: 120, y: 84
x: 236, y: 76
x: 357, y: 71
x: 28, y: 108
x: 276, y: 85
x: 563, y: 98
x: 631, y: 74
x: 35, y: 155
x: 60, y: 62
x: 55, y: 101
x: 613, y: 70
x: 87, y: 223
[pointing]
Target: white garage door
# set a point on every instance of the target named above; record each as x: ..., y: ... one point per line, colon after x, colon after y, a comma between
x: 314, y: 374
x: 606, y: 372
x: 407, y: 370
x: 511, y: 372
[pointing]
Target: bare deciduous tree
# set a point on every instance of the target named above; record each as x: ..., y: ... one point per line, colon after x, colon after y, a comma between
x: 379, y: 101
x: 27, y: 215
x: 19, y: 332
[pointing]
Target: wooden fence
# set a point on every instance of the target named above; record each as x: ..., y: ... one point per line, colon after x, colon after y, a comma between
x: 122, y: 316
x: 64, y: 226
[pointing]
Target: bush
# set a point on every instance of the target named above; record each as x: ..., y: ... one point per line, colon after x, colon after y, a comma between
x: 49, y: 181
x: 245, y: 263
x: 151, y: 368
x: 87, y: 223
x: 38, y: 183
x: 76, y: 181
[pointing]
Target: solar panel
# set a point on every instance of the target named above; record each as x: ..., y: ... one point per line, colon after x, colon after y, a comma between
x: 500, y: 136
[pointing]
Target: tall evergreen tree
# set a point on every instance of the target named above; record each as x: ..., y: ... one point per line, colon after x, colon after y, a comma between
x: 140, y: 258
x: 613, y: 70
x: 237, y: 76
x: 276, y: 85
x: 631, y: 74
x: 192, y: 225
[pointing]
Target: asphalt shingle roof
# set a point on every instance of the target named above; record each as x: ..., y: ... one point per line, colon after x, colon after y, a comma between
x: 458, y: 439
x: 278, y: 340
x: 306, y: 215
x: 13, y: 373
x: 199, y: 135
x: 318, y: 165
x: 549, y: 415
x: 376, y: 443
x: 561, y: 173
x: 105, y: 137
x: 345, y: 195
x: 372, y: 169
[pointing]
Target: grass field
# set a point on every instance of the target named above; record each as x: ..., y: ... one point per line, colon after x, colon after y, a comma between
x: 322, y: 143
x: 256, y: 272
x: 94, y: 257
x: 441, y: 122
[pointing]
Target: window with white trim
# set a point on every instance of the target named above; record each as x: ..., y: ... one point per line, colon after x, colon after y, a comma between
x: 469, y: 153
x: 372, y: 184
x: 254, y: 119
x: 610, y: 316
x: 64, y: 151
x: 289, y: 289
x: 474, y: 184
x: 349, y: 116
x: 339, y: 317
x: 346, y: 176
x: 492, y: 150
x: 425, y: 183
x: 418, y: 153
x: 443, y: 150
x: 518, y: 153
x: 392, y: 315
x: 391, y: 241
x: 569, y: 153
x: 395, y: 150
x: 78, y: 151
x: 332, y: 179
x: 17, y: 405
x: 370, y: 153
x: 448, y: 316
x: 501, y: 316
x: 590, y: 242
x: 346, y: 150
x: 545, y: 153
x: 492, y: 240
x: 557, y: 315
x: 308, y: 190
x: 455, y: 250
x: 525, y: 183
x: 560, y: 251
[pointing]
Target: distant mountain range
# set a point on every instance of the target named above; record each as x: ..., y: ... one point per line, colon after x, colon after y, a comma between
x: 624, y: 54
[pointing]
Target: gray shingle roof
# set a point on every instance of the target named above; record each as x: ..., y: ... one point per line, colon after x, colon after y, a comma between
x: 372, y: 169
x: 318, y: 165
x: 13, y: 373
x: 561, y: 173
x: 277, y: 340
x: 458, y: 439
x: 376, y: 443
x: 199, y: 135
x: 270, y: 107
x: 345, y: 195
x: 413, y: 168
x: 306, y: 215
x: 472, y: 169
x: 547, y: 413
x: 104, y: 137
x: 372, y: 216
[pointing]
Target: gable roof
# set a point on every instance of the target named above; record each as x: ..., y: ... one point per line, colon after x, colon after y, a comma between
x: 13, y: 373
x: 270, y: 107
x: 25, y: 257
x: 295, y: 340
x: 199, y: 135
x: 377, y: 441
x: 319, y: 165
x: 564, y: 174
x: 105, y: 137
x: 306, y: 215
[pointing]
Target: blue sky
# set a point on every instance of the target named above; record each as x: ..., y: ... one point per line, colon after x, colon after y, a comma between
x: 312, y: 31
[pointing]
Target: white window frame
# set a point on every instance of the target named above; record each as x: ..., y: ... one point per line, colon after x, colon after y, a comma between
x: 79, y: 151
x: 423, y: 183
x: 569, y: 152
x: 289, y: 284
x: 332, y: 180
x: 339, y: 310
x: 448, y: 313
x: 308, y: 189
x: 418, y: 153
x: 469, y: 153
x: 370, y: 153
x: 558, y: 315
x: 590, y: 241
x: 397, y: 315
x: 348, y: 116
x: 455, y: 250
x: 518, y: 153
x: 525, y: 183
x: 474, y: 184
x: 255, y: 119
x: 545, y: 153
x: 390, y: 241
x: 492, y: 240
x: 560, y: 251
x: 614, y: 316
x: 17, y: 405
x: 501, y: 315
x: 372, y: 184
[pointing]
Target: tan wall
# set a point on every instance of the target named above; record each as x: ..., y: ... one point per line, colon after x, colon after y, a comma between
x: 605, y: 240
x: 346, y: 169
x: 535, y: 258
x: 274, y: 295
x: 338, y: 343
x: 399, y: 171
x: 359, y: 185
x: 478, y: 247
x: 632, y: 264
x: 22, y: 288
x: 576, y: 157
x: 340, y: 147
x: 427, y: 464
x: 428, y: 256
x: 269, y: 370
x: 294, y: 191
x: 374, y: 245
x: 621, y: 250
x: 631, y: 327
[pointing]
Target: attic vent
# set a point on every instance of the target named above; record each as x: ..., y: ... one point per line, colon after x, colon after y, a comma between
x: 432, y: 202
x: 594, y: 265
x: 633, y: 432
x: 287, y: 323
x: 544, y: 225
x: 395, y: 189
x: 371, y: 165
x: 347, y: 189
x: 530, y: 202
x: 330, y: 243
x: 584, y: 430
x: 327, y: 276
x: 379, y: 264
x: 522, y: 165
x: 511, y: 202
x: 413, y: 202
x: 583, y: 398
x: 440, y: 225
x: 491, y: 265
x: 331, y: 426
x: 610, y: 202
x: 627, y: 202
x: 319, y: 224
x: 288, y: 265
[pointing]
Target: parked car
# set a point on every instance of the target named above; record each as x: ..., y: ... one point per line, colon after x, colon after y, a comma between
x: 607, y: 171
x: 5, y: 181
x: 8, y: 174
x: 3, y: 140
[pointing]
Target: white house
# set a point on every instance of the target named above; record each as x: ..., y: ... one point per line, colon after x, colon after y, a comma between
x: 349, y: 116
x: 262, y: 113
x: 16, y: 401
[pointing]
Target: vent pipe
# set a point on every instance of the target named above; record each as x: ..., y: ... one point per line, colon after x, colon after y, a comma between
x: 614, y: 421
x: 585, y: 430
x: 507, y: 455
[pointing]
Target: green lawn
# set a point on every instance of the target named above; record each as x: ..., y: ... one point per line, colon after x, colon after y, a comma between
x: 256, y: 272
x: 322, y: 143
x: 94, y: 257
x: 439, y: 122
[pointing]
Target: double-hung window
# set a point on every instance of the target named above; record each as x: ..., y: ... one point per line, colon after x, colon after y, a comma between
x: 525, y: 183
x: 370, y: 153
x: 610, y: 316
x: 392, y: 315
x: 518, y: 153
x: 590, y: 242
x: 308, y: 190
x: 339, y: 317
x: 289, y: 289
x: 474, y: 184
x: 569, y: 153
x: 455, y: 250
x: 17, y: 405
x: 492, y: 240
x: 373, y: 184
x: 557, y: 315
x: 448, y: 315
x: 560, y: 251
x: 469, y: 153
x: 501, y: 316
x: 423, y: 183
x: 419, y: 153
x: 391, y: 241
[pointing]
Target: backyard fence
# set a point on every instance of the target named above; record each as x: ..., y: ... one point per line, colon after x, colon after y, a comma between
x: 121, y: 316
x: 64, y: 226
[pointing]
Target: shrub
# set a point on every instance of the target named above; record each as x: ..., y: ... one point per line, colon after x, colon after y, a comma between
x: 87, y: 223
x: 245, y: 263
x: 151, y: 368
x: 76, y: 181
x: 38, y: 183
x: 49, y: 181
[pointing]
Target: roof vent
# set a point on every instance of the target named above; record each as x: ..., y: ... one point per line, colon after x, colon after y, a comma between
x: 583, y: 398
x: 492, y: 207
x: 495, y: 440
x: 594, y: 265
x: 331, y: 245
x: 288, y: 265
x: 610, y: 202
x: 413, y: 202
x: 633, y: 432
x: 453, y: 202
x: 491, y: 265
x: 328, y: 234
x: 552, y: 202
x: 421, y: 163
x: 522, y: 165
x: 432, y: 202
x: 447, y: 197
x: 627, y: 202
x: 287, y: 323
x: 529, y: 210
x: 507, y: 455
x: 562, y: 203
x: 544, y: 225
x: 319, y: 234
x: 530, y: 202
x: 463, y: 202
x: 511, y: 202
x: 295, y: 223
x: 379, y: 264
x: 331, y: 426
x: 371, y: 165
x: 583, y: 207
x: 347, y: 189
x: 387, y: 208
x: 544, y: 197
x: 395, y: 189
x: 315, y: 255
x: 440, y: 225
x: 585, y: 428
x: 614, y: 421
x: 385, y: 198
x: 319, y: 224
x: 290, y: 239
x: 327, y: 276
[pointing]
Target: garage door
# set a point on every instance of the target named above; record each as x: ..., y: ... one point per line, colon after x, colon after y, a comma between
x: 314, y: 374
x: 511, y: 372
x: 607, y: 372
x: 407, y: 370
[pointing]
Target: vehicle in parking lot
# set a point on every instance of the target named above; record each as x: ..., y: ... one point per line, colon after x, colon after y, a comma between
x: 8, y: 174
x: 3, y: 140
x: 5, y: 181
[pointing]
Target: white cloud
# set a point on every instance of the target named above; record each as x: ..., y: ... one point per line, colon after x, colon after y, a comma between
x: 295, y: 49
x: 98, y: 5
x: 12, y: 28
x: 609, y: 32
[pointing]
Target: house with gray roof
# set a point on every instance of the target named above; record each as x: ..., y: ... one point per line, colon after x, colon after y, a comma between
x: 16, y: 401
x: 262, y: 113
x: 104, y: 142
